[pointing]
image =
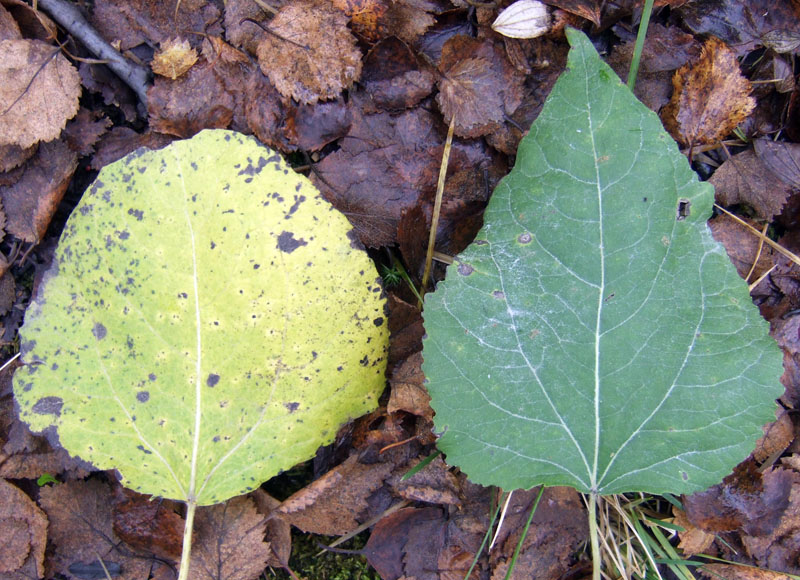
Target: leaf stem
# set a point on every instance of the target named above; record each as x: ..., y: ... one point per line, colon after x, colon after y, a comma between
x: 639, y: 46
x: 186, y: 552
x: 596, y: 560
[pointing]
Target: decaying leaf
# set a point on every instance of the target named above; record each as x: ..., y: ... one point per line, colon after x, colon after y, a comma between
x: 778, y: 550
x: 148, y: 524
x: 175, y: 57
x: 376, y: 19
x: 710, y: 97
x: 229, y: 542
x: 478, y: 86
x: 781, y: 158
x: 38, y: 187
x: 742, y: 246
x: 312, y: 55
x: 394, y: 76
x: 85, y: 129
x: 23, y: 534
x: 39, y: 91
x: 693, y: 539
x: 408, y: 391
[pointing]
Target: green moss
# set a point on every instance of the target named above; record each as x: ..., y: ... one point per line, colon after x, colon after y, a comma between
x: 309, y: 561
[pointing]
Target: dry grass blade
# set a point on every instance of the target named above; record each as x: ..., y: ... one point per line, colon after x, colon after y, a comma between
x: 437, y: 206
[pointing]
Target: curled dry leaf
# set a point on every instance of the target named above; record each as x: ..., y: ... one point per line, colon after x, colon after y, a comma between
x: 311, y: 54
x: 523, y: 19
x: 175, y: 58
x: 710, y: 97
x: 479, y: 87
x: 39, y: 90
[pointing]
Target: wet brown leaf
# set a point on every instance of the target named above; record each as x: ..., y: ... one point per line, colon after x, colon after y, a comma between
x: 99, y: 79
x: 333, y: 504
x: 23, y: 533
x: 175, y: 57
x: 32, y: 23
x: 746, y: 500
x: 394, y: 76
x: 135, y: 22
x: 745, y: 178
x: 265, y: 112
x: 148, y: 524
x: 238, y: 30
x: 32, y: 199
x: 81, y: 528
x: 710, y: 97
x: 311, y: 127
x: 228, y: 542
x: 311, y: 56
x: 39, y: 90
x: 478, y: 87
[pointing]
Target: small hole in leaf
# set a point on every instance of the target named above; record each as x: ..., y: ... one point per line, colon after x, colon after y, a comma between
x: 684, y: 209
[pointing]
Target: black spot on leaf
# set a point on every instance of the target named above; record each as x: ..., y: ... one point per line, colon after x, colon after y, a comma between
x: 143, y: 396
x: 287, y: 242
x: 137, y: 213
x: 151, y: 376
x: 292, y: 406
x: 143, y: 450
x: 298, y: 199
x: 212, y: 380
x: 99, y: 331
x: 465, y: 269
x: 498, y: 294
x: 525, y: 238
x: 355, y: 243
x: 48, y: 406
x: 378, y: 321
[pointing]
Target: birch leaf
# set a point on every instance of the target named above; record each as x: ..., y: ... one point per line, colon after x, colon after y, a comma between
x: 595, y: 335
x: 208, y: 322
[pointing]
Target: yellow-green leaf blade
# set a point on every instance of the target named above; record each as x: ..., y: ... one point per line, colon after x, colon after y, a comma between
x: 209, y: 324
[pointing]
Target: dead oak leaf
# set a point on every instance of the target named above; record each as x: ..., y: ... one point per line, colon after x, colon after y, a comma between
x: 23, y: 532
x: 311, y: 54
x: 229, y: 542
x: 174, y: 58
x: 39, y: 90
x: 478, y: 87
x: 710, y: 97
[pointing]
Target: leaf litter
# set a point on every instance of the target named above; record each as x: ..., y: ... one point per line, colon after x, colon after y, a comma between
x: 407, y: 76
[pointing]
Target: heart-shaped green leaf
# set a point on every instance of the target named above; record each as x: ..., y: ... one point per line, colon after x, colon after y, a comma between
x: 209, y: 321
x: 595, y: 335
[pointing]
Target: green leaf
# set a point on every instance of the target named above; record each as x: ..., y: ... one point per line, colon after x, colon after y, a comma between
x: 209, y: 320
x: 594, y: 335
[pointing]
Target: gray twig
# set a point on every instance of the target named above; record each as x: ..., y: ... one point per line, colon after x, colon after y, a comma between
x: 67, y: 15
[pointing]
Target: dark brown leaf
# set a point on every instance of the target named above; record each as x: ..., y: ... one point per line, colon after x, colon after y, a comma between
x: 122, y: 140
x: 478, y: 87
x: 333, y: 504
x: 32, y: 199
x: 85, y: 130
x: 778, y: 550
x: 746, y: 500
x: 279, y: 531
x: 265, y: 112
x: 394, y: 76
x: 781, y: 158
x: 376, y: 19
x: 9, y: 29
x: 435, y: 484
x: 148, y: 524
x: 311, y: 127
x: 746, y: 179
x: 710, y: 97
x: 408, y: 391
x: 228, y: 542
x: 311, y: 54
x: 588, y: 9
x: 23, y: 533
x: 405, y: 325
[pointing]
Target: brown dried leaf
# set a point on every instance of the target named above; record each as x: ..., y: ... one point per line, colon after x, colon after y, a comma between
x: 333, y: 504
x: 279, y: 532
x: 39, y: 90
x: 394, y: 76
x: 135, y: 22
x: 710, y: 98
x: 745, y: 178
x: 693, y: 539
x: 23, y: 532
x: 229, y: 542
x: 777, y: 437
x: 408, y: 391
x: 12, y: 156
x: 746, y: 500
x: 778, y: 550
x: 8, y: 288
x: 32, y: 23
x: 9, y: 29
x: 588, y: 9
x: 32, y: 199
x: 311, y: 127
x: 434, y: 484
x: 734, y: 572
x: 376, y: 19
x: 81, y: 528
x: 147, y: 524
x: 123, y: 140
x: 478, y: 87
x: 85, y: 130
x: 781, y: 158
x: 405, y: 325
x: 174, y: 58
x: 238, y: 30
x: 311, y: 56
x: 742, y: 246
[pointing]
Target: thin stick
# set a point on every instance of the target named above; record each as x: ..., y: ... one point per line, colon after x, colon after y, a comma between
x: 437, y: 205
x: 758, y: 234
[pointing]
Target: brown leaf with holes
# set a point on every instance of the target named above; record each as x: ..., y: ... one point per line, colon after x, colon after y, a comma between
x: 39, y: 91
x: 148, y: 525
x: 311, y: 54
x: 746, y: 500
x: 175, y: 57
x: 478, y: 87
x: 81, y: 530
x: 710, y: 97
x: 23, y: 534
x: 31, y: 200
x: 229, y: 542
x: 333, y: 504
